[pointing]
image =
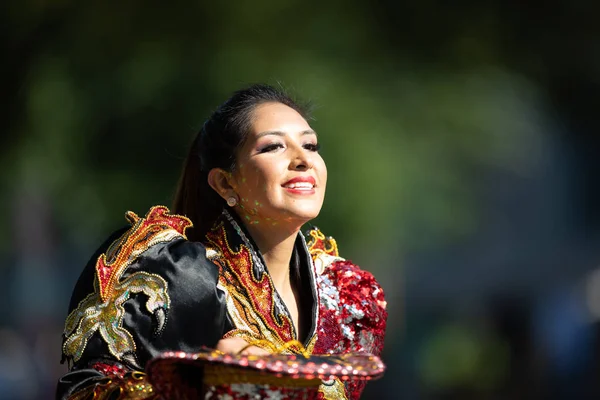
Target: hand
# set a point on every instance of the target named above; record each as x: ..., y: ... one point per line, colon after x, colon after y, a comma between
x: 235, y: 344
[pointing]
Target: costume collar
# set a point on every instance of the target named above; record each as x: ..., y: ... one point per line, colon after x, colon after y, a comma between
x: 240, y: 257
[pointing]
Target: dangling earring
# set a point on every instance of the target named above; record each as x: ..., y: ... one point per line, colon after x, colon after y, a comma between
x: 231, y: 201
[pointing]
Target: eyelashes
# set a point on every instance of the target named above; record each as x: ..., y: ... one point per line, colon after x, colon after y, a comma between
x: 312, y: 146
x: 274, y: 146
x: 270, y: 147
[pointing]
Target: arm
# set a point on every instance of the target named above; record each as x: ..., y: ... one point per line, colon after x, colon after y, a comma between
x: 363, y: 308
x: 103, y: 381
x: 352, y: 313
x: 361, y: 313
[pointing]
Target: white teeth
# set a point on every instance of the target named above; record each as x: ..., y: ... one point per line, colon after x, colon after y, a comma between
x: 299, y: 185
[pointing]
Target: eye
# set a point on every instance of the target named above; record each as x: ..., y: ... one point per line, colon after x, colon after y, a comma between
x: 312, y: 146
x: 270, y: 147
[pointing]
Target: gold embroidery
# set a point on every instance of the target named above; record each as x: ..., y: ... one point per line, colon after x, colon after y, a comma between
x: 107, y: 317
x: 133, y: 387
x: 249, y: 323
x: 333, y: 391
x: 324, y: 251
x: 223, y: 375
x: 311, y: 344
x: 137, y: 387
x: 158, y: 226
x: 265, y: 344
x: 102, y: 311
x: 249, y: 299
x: 318, y: 243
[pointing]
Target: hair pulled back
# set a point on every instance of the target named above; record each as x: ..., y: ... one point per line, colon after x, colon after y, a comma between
x: 216, y: 146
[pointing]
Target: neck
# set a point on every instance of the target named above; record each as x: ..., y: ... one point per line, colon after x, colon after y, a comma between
x: 276, y: 244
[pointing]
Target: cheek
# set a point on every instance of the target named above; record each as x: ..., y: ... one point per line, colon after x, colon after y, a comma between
x: 321, y: 169
x: 257, y: 180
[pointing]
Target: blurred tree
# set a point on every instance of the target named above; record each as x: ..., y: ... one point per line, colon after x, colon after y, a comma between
x: 102, y: 101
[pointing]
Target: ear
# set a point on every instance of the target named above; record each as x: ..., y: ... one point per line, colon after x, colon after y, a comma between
x: 220, y: 181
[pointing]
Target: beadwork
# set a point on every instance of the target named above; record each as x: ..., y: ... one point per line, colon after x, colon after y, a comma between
x: 351, y: 314
x: 102, y: 311
x: 134, y: 386
x: 252, y: 300
x: 352, y: 310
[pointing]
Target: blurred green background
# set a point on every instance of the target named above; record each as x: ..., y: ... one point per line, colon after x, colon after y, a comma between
x: 462, y: 148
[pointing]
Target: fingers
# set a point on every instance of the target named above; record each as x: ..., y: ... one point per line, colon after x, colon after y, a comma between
x: 254, y: 350
x: 239, y: 346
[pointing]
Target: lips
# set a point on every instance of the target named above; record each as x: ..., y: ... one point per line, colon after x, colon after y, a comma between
x: 301, y: 184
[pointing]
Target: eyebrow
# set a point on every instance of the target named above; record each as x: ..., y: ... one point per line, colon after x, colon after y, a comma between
x: 280, y: 133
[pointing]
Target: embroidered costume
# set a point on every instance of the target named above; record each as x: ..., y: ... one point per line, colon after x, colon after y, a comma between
x: 148, y: 290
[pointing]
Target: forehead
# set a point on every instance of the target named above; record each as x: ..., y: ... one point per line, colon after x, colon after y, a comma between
x: 277, y: 117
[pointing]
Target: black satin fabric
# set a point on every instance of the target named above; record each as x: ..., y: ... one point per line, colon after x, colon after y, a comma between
x: 196, y: 316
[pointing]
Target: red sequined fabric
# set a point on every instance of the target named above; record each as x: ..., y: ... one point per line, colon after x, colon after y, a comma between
x: 352, y: 315
x: 110, y: 370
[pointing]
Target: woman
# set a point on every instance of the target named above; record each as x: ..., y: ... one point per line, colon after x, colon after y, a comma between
x: 229, y: 269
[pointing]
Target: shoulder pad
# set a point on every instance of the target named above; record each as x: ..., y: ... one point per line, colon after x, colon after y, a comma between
x: 318, y: 243
x: 323, y: 249
x: 156, y: 227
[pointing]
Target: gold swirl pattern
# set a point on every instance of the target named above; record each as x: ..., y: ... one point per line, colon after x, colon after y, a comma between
x: 102, y: 311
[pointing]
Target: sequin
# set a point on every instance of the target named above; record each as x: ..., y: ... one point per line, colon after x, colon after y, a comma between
x: 253, y: 304
x: 133, y: 386
x: 352, y: 310
x: 110, y: 370
x: 156, y: 227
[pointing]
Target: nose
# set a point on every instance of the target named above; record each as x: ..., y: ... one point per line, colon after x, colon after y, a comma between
x: 301, y: 160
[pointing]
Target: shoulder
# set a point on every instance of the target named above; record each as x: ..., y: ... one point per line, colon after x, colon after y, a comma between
x: 350, y: 296
x: 356, y: 285
x: 342, y: 273
x: 322, y: 249
x: 148, y: 272
x: 153, y: 243
x: 149, y: 237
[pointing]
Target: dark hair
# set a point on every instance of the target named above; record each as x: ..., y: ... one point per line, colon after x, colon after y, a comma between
x: 215, y: 146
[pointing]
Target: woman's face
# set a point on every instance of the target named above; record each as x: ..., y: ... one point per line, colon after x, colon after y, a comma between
x: 279, y: 176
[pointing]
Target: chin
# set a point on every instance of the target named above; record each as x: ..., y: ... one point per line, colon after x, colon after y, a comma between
x: 297, y: 213
x: 294, y: 215
x: 305, y: 215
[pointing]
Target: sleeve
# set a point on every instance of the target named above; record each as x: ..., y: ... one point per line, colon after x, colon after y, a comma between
x: 361, y: 314
x: 363, y: 308
x: 150, y: 291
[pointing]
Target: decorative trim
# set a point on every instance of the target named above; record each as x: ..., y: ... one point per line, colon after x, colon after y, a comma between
x: 102, y: 311
x: 158, y: 226
x: 319, y: 243
x: 134, y: 386
x: 253, y: 304
x: 323, y: 250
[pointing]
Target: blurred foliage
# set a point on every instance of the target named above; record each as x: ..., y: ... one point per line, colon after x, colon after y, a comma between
x: 457, y: 356
x: 105, y: 98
